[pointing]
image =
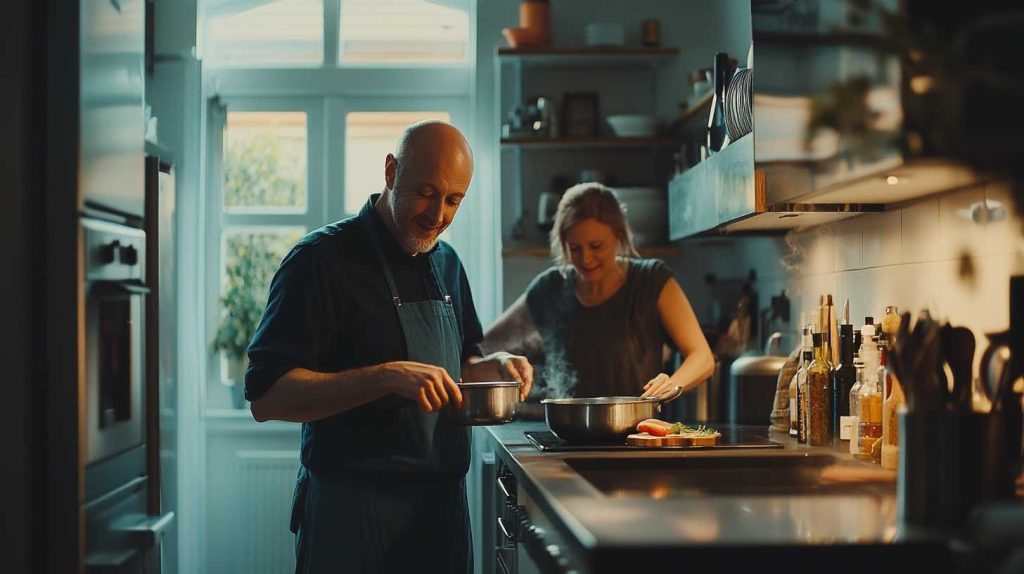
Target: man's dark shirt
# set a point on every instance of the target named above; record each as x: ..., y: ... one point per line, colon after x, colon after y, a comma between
x: 330, y: 310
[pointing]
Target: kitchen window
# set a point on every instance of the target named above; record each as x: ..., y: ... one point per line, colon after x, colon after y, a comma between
x: 289, y: 34
x: 403, y: 32
x: 261, y: 34
x: 281, y: 168
x: 305, y: 99
x: 265, y: 191
x: 369, y: 137
x: 265, y: 162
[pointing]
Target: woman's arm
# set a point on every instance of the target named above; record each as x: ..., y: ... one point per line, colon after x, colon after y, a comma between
x: 514, y: 332
x: 680, y: 322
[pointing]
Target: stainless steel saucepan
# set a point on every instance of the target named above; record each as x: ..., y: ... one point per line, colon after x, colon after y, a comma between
x: 490, y: 403
x: 602, y: 419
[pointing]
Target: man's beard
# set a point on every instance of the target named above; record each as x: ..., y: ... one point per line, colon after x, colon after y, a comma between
x: 404, y: 224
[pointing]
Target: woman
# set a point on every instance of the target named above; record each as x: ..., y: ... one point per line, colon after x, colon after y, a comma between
x: 601, y: 316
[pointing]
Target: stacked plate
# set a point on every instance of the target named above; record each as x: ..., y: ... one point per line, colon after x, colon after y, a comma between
x: 739, y: 113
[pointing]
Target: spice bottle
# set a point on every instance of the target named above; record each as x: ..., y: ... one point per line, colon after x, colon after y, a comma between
x: 819, y: 399
x: 794, y: 412
x: 844, y: 375
x: 891, y: 406
x: 891, y: 321
x: 801, y: 396
x: 858, y: 366
x: 869, y: 425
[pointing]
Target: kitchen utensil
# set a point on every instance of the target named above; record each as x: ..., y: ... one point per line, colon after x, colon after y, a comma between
x: 597, y: 419
x: 958, y: 352
x: 995, y: 362
x: 487, y: 403
x: 915, y: 358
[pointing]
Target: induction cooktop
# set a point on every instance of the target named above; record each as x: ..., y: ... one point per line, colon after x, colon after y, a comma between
x: 731, y: 438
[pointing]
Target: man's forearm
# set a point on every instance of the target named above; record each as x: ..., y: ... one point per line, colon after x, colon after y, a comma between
x: 302, y: 396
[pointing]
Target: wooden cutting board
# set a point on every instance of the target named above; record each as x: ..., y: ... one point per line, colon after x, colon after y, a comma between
x: 648, y: 440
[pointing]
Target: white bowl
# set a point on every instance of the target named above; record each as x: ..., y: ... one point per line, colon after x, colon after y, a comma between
x: 633, y: 125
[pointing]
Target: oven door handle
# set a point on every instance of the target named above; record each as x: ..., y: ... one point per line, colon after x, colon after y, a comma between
x: 149, y: 532
x: 127, y: 287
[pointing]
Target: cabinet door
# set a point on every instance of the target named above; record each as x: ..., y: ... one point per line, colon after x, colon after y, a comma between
x: 112, y: 105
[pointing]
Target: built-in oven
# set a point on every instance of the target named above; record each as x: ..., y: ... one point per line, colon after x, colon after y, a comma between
x: 114, y: 321
x: 525, y: 542
x: 122, y: 534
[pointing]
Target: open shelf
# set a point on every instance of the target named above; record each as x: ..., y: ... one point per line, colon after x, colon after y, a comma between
x: 542, y: 251
x: 588, y: 56
x: 585, y: 143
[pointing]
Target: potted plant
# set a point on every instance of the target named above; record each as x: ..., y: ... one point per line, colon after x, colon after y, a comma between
x: 251, y: 263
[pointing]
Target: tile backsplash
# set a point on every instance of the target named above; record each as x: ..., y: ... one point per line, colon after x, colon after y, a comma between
x: 946, y: 253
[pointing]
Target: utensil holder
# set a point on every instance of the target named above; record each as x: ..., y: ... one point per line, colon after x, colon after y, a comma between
x: 949, y: 462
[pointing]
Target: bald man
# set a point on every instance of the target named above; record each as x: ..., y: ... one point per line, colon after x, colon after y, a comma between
x: 369, y: 326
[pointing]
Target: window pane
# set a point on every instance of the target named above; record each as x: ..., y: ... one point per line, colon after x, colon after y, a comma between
x: 279, y: 33
x: 250, y: 259
x: 265, y: 162
x: 403, y: 32
x: 369, y: 138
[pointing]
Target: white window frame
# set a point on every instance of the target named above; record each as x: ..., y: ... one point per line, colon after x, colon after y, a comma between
x: 219, y: 220
x: 340, y: 107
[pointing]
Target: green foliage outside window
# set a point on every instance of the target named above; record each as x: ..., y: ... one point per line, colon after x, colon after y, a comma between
x: 250, y: 263
x: 264, y: 168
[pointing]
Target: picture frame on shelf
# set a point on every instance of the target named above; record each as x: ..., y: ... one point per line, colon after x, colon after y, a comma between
x: 580, y: 115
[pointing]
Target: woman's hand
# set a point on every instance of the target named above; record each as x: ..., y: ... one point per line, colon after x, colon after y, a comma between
x: 501, y: 366
x: 657, y: 385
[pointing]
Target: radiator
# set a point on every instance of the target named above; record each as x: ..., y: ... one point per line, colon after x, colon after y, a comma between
x: 265, y: 491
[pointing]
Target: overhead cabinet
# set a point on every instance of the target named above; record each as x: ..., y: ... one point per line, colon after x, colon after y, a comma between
x: 828, y: 141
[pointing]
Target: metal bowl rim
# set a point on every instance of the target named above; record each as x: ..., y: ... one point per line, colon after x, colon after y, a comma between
x: 488, y: 385
x: 598, y: 401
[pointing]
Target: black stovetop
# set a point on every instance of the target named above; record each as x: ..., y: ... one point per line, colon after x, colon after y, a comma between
x: 732, y: 437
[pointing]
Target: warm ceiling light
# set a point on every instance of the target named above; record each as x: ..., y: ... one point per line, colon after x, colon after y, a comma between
x: 892, y: 180
x: 921, y: 84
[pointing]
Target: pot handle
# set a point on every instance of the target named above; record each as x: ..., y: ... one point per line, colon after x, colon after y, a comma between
x: 668, y: 395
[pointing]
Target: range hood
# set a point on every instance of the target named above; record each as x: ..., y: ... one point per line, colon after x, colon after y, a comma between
x: 818, y: 81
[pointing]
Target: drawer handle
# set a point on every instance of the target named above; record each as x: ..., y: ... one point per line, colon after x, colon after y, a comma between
x: 508, y: 490
x: 505, y: 530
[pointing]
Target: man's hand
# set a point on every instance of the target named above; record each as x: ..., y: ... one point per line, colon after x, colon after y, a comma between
x: 501, y: 366
x: 429, y: 386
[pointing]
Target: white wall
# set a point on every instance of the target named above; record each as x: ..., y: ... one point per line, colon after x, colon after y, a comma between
x: 908, y: 257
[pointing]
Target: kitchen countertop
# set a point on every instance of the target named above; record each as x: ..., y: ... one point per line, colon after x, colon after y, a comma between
x: 612, y: 507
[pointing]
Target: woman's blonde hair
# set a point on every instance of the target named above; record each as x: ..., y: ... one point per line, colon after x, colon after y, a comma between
x: 590, y: 201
